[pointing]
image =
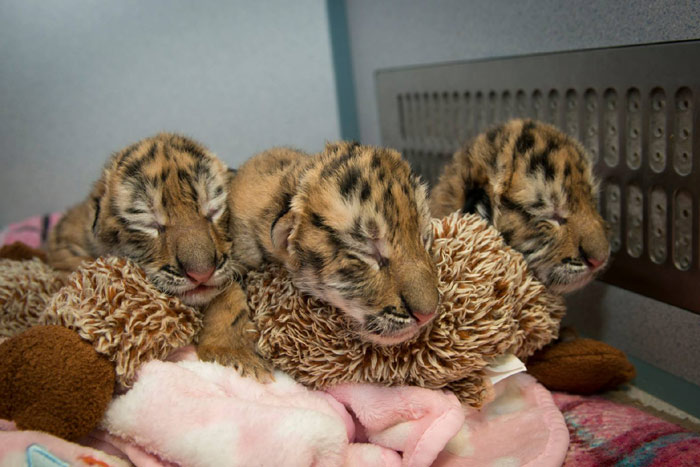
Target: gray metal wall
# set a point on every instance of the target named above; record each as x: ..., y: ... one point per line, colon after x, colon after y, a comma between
x: 81, y: 78
x: 393, y: 33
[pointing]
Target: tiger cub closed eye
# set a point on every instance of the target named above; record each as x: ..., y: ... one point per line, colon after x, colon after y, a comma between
x: 351, y: 225
x: 162, y: 203
x: 536, y: 185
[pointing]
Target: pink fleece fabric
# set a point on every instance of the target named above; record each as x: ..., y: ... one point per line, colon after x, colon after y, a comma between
x: 20, y: 448
x: 415, y: 421
x: 190, y: 413
x: 521, y: 427
x: 31, y: 231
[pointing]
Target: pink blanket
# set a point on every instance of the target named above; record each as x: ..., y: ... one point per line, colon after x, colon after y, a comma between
x: 33, y: 448
x: 32, y: 231
x: 198, y: 414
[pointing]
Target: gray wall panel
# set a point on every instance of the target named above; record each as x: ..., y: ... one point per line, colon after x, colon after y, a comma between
x: 661, y: 334
x: 392, y: 33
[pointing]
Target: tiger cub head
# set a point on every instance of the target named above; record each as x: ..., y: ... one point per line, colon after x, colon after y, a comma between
x: 162, y: 203
x: 535, y: 184
x: 356, y: 235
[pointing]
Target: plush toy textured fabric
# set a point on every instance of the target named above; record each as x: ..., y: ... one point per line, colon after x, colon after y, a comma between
x: 109, y: 302
x: 490, y: 305
x: 25, y: 289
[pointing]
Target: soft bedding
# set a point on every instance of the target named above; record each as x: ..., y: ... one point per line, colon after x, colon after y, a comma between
x: 602, y: 433
x: 607, y: 433
x: 32, y: 231
x: 186, y: 412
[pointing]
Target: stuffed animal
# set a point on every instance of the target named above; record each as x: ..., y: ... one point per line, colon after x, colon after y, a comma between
x: 580, y: 366
x: 490, y: 306
x: 107, y: 319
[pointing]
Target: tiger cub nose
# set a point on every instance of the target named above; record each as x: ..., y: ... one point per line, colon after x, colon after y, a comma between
x: 594, y: 263
x: 200, y: 277
x: 591, y: 261
x: 422, y: 318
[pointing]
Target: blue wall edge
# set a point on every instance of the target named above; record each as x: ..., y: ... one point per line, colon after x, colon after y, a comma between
x: 342, y: 67
x: 667, y: 387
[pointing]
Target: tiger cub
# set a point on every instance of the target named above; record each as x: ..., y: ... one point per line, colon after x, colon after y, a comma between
x: 352, y: 226
x: 535, y: 184
x: 162, y: 202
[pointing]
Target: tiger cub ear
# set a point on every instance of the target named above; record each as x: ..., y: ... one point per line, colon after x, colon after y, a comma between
x: 478, y: 201
x: 478, y: 192
x: 280, y: 233
x: 98, y: 191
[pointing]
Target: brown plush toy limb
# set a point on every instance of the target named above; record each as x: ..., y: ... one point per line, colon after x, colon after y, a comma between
x: 53, y: 381
x: 580, y: 366
x: 60, y: 379
x: 20, y: 251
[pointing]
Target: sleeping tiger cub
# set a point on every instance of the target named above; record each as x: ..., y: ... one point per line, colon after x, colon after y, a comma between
x: 352, y: 226
x: 535, y: 184
x: 162, y: 203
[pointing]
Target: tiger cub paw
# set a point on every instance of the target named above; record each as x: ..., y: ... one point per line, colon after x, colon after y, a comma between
x: 238, y: 352
x: 246, y: 361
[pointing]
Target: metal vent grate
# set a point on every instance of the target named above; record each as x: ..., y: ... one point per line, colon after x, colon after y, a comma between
x: 634, y: 108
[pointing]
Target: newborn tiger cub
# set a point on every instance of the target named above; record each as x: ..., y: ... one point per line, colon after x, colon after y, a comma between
x: 351, y: 225
x: 536, y: 186
x: 162, y: 203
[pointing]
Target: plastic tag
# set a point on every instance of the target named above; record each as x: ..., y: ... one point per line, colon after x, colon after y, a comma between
x: 504, y: 366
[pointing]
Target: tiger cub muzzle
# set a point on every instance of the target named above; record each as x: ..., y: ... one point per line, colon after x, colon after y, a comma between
x: 578, y: 255
x: 413, y: 302
x: 199, y: 270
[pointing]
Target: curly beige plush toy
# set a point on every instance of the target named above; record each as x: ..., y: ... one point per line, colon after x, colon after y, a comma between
x: 108, y: 302
x: 60, y: 378
x: 490, y: 306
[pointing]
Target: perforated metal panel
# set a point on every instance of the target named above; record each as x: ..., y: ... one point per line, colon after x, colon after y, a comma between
x: 634, y: 108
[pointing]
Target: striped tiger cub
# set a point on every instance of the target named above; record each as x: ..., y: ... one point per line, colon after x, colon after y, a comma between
x: 352, y: 226
x: 162, y: 203
x: 535, y: 184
